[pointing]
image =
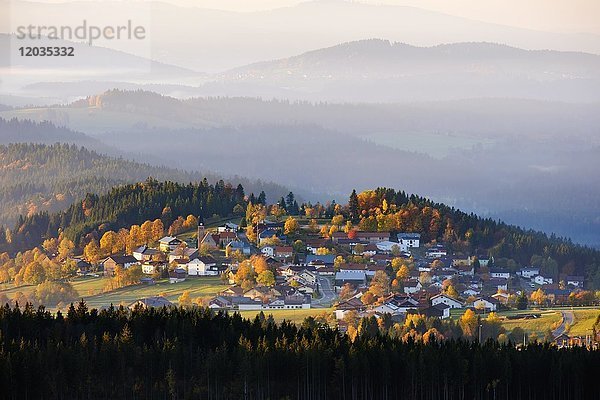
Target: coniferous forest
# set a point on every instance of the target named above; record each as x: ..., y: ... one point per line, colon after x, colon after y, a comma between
x: 196, y: 354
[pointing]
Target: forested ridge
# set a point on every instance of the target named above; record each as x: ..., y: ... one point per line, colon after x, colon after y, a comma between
x: 182, y: 353
x: 386, y: 209
x: 124, y: 206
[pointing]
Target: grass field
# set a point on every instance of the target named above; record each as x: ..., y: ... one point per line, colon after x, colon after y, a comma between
x: 584, y: 320
x: 198, y: 287
x: 548, y: 320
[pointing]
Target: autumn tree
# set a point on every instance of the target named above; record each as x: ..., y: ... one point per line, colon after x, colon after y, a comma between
x: 266, y: 278
x: 291, y: 226
x: 469, y: 323
x: 65, y: 248
x: 91, y: 252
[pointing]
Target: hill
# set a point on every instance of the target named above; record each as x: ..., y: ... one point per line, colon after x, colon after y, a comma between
x: 382, y: 71
x: 38, y: 177
x: 127, y: 205
x: 224, y: 40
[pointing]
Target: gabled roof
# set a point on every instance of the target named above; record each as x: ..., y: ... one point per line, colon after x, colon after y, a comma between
x: 123, y: 259
x: 169, y: 239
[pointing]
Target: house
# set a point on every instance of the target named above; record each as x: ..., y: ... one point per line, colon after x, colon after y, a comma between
x: 397, y: 304
x: 151, y: 302
x: 187, y: 253
x: 168, y: 243
x: 309, y: 277
x: 486, y: 303
x: 224, y: 238
x: 575, y: 281
x: 441, y: 311
x: 202, y: 266
x: 210, y: 240
x: 267, y: 234
x: 412, y: 287
x: 501, y: 297
x: 499, y: 273
x: 238, y: 245
x: 529, y: 272
x: 246, y: 303
x: 147, y: 281
x: 112, y: 262
x: 178, y: 275
x: 352, y: 304
x: 220, y: 302
x: 409, y: 239
x: 543, y: 280
x: 82, y: 267
x: 325, y: 259
x: 228, y: 227
x: 337, y: 236
x: 388, y: 246
x: 283, y: 252
x: 151, y: 267
x: 233, y: 291
x: 356, y: 278
x: 497, y: 284
x: 373, y: 237
x: 144, y: 253
x: 289, y: 303
x: 437, y: 251
x: 447, y: 300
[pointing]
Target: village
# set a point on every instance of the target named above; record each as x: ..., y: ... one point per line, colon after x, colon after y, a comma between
x: 352, y: 274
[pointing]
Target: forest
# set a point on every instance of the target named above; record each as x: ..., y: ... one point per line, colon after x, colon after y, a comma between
x: 180, y: 353
x: 124, y: 206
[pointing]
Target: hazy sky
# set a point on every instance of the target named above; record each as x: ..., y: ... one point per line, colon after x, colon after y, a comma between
x: 554, y: 15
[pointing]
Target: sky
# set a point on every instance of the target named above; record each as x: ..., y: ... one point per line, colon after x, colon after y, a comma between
x: 564, y: 16
x: 573, y: 16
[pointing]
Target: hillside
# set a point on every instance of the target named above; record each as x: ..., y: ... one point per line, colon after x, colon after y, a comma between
x: 525, y: 161
x: 124, y: 206
x: 382, y: 71
x: 37, y: 177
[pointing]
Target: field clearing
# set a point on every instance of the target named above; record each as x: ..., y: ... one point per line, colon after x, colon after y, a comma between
x: 198, y: 287
x: 584, y: 320
x: 296, y: 316
x: 539, y: 326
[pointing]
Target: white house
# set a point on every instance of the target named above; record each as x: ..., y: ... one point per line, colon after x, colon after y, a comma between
x: 529, y: 272
x: 409, y: 239
x: 499, y: 273
x: 543, y: 280
x: 202, y: 266
x: 387, y: 246
x: 487, y: 303
x: 411, y: 287
x: 168, y: 243
x: 447, y: 300
x: 150, y: 267
x: 576, y: 281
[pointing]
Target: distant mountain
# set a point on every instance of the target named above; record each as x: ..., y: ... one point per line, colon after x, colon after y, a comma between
x: 214, y: 40
x: 382, y: 71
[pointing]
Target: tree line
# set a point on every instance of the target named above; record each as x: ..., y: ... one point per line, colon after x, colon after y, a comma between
x: 183, y: 353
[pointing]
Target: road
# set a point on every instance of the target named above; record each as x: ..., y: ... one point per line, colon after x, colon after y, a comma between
x: 568, y: 318
x: 327, y: 293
